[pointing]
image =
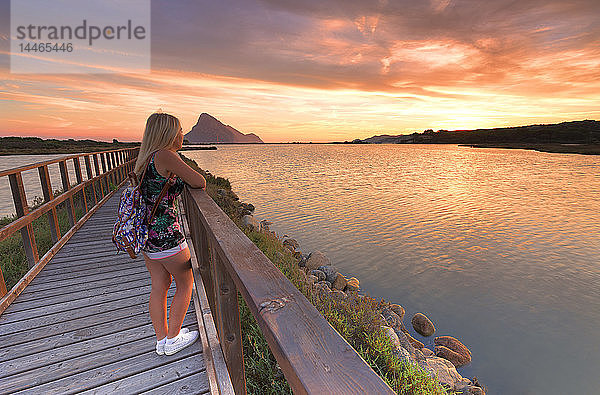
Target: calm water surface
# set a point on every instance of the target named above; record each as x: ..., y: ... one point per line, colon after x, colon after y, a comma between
x: 500, y: 248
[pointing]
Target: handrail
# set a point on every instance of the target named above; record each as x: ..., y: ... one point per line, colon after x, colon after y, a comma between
x: 314, y: 358
x: 116, y: 164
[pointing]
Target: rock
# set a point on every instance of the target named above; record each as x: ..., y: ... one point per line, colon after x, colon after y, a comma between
x: 302, y: 262
x: 326, y: 283
x: 392, y: 319
x: 353, y: 285
x: 247, y: 206
x: 427, y: 352
x: 422, y: 324
x: 316, y: 259
x: 297, y: 255
x: 331, y: 272
x: 233, y: 195
x: 399, y: 310
x: 311, y: 279
x: 263, y: 226
x: 249, y: 221
x: 415, y: 343
x: 221, y: 192
x: 405, y: 343
x: 319, y: 274
x: 340, y: 282
x: 457, y: 359
x: 445, y: 370
x: 402, y: 354
x: 291, y: 244
x: 453, y: 344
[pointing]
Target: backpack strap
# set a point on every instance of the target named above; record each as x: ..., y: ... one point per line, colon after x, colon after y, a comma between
x: 170, y: 181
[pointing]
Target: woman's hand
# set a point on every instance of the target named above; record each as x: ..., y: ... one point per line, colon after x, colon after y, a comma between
x: 167, y: 161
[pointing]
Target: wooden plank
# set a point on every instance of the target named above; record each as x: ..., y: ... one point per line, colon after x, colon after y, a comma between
x: 27, y: 303
x: 99, y: 328
x: 70, y: 274
x: 40, y: 286
x: 81, y: 323
x: 48, y: 196
x: 89, y: 345
x: 52, y: 310
x: 312, y: 355
x: 31, y: 294
x: 3, y: 290
x: 87, y: 312
x: 63, y: 339
x: 22, y: 209
x: 88, y: 264
x: 192, y: 384
x: 94, y: 369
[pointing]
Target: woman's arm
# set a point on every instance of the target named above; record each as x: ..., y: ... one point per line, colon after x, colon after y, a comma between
x: 169, y: 161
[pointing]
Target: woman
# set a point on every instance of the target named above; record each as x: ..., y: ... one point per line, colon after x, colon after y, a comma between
x: 166, y: 252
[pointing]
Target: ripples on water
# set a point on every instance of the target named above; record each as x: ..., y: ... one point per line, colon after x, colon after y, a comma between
x: 499, y: 247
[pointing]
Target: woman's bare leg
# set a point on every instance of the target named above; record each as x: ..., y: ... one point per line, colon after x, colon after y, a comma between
x: 161, y: 282
x: 180, y: 267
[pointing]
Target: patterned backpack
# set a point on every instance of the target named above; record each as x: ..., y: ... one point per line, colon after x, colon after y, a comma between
x: 130, y: 231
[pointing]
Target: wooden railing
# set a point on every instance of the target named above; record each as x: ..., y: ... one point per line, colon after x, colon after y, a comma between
x: 314, y: 358
x: 109, y: 167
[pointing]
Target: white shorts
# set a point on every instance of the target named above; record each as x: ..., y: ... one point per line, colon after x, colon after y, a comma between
x: 167, y: 253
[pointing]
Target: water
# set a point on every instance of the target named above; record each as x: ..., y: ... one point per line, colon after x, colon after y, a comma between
x: 31, y: 178
x: 500, y: 248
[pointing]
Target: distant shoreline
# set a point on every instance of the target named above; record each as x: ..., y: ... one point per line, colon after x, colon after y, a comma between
x: 582, y: 149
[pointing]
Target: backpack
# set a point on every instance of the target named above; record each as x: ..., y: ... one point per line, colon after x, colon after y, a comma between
x: 130, y: 231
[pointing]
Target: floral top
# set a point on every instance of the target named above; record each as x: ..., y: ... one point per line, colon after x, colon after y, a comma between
x: 164, y: 232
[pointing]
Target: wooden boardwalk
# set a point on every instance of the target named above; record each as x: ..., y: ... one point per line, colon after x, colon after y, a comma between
x: 82, y: 325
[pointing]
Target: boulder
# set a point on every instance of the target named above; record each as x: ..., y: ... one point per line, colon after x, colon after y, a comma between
x: 453, y: 344
x: 316, y: 259
x: 445, y: 370
x: 263, y: 226
x: 311, y: 279
x: 353, y: 285
x: 405, y: 343
x: 326, y: 283
x: 422, y: 324
x: 291, y: 244
x: 399, y: 310
x: 249, y: 221
x: 319, y: 274
x: 415, y: 343
x: 331, y: 272
x: 427, y: 352
x: 339, y: 283
x: 392, y: 319
x: 402, y: 354
x: 457, y: 359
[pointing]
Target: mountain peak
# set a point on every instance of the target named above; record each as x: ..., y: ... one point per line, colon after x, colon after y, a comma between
x: 209, y: 129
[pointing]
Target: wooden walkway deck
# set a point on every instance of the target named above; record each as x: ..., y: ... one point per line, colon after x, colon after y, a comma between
x: 82, y: 325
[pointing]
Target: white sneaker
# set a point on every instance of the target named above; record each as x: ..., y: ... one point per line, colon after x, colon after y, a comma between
x: 181, y: 341
x: 160, y: 347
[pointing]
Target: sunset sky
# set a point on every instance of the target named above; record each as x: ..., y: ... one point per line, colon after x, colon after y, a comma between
x: 329, y: 70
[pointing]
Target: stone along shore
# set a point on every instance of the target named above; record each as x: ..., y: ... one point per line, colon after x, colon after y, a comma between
x: 319, y: 272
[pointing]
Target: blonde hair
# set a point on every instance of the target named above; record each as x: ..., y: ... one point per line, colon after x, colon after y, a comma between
x: 161, y: 131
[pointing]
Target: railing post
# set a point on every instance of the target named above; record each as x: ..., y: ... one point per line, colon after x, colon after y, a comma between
x: 22, y: 208
x: 96, y: 165
x: 64, y: 175
x: 48, y: 195
x: 88, y: 169
x: 228, y: 323
x: 78, y: 175
x: 3, y: 290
